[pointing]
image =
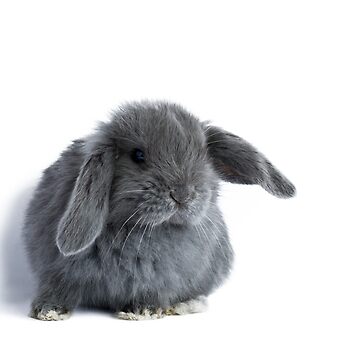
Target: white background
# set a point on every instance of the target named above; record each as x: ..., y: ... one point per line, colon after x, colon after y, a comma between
x: 282, y: 74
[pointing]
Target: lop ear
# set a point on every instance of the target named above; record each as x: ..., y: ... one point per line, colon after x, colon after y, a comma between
x: 87, y: 210
x: 237, y: 161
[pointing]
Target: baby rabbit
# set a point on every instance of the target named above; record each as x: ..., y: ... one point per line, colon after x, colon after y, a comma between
x: 127, y: 218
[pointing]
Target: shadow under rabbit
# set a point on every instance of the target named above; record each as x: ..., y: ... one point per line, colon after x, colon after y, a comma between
x: 18, y: 282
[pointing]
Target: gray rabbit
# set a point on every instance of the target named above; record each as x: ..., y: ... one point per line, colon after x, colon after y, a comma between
x: 127, y: 218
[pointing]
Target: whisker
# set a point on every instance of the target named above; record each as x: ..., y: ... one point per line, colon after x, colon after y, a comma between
x: 219, y: 230
x: 217, y: 141
x: 215, y: 133
x: 152, y: 225
x: 197, y: 230
x: 137, y: 255
x: 213, y: 203
x: 215, y: 236
x: 204, y: 232
x: 131, y: 216
x: 132, y: 191
x: 122, y: 249
x: 141, y: 238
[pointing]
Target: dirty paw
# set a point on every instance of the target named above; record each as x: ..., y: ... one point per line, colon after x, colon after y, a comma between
x: 48, y: 313
x: 144, y: 314
x: 188, y: 307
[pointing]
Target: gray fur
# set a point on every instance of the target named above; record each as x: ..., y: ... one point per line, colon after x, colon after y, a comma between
x: 104, y: 231
x: 239, y: 162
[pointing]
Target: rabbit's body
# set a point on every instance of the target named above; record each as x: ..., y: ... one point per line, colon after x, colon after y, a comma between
x: 144, y: 271
x: 102, y: 229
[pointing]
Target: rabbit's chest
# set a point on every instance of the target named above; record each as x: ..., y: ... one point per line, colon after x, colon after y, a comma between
x: 159, y: 260
x: 155, y: 268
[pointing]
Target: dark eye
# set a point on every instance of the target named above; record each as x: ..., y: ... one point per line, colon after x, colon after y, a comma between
x: 138, y: 156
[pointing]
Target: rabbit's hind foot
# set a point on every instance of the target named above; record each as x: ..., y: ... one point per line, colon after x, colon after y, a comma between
x: 188, y: 307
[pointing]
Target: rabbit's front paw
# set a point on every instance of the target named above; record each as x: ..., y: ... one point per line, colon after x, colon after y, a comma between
x: 187, y: 307
x: 50, y: 313
x: 144, y: 314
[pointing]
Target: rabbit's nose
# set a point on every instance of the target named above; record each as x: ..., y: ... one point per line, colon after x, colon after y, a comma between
x: 181, y: 195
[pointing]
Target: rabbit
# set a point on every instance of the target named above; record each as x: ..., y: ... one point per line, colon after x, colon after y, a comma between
x: 127, y: 218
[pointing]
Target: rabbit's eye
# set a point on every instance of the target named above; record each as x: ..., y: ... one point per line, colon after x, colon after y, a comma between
x: 138, y: 156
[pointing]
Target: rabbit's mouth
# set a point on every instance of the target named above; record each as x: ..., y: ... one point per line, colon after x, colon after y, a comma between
x: 183, y: 214
x: 191, y: 211
x: 174, y: 207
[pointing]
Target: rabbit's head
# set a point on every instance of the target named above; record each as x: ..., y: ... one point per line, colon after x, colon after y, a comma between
x: 156, y: 163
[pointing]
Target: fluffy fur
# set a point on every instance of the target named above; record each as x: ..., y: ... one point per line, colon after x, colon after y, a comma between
x: 103, y: 230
